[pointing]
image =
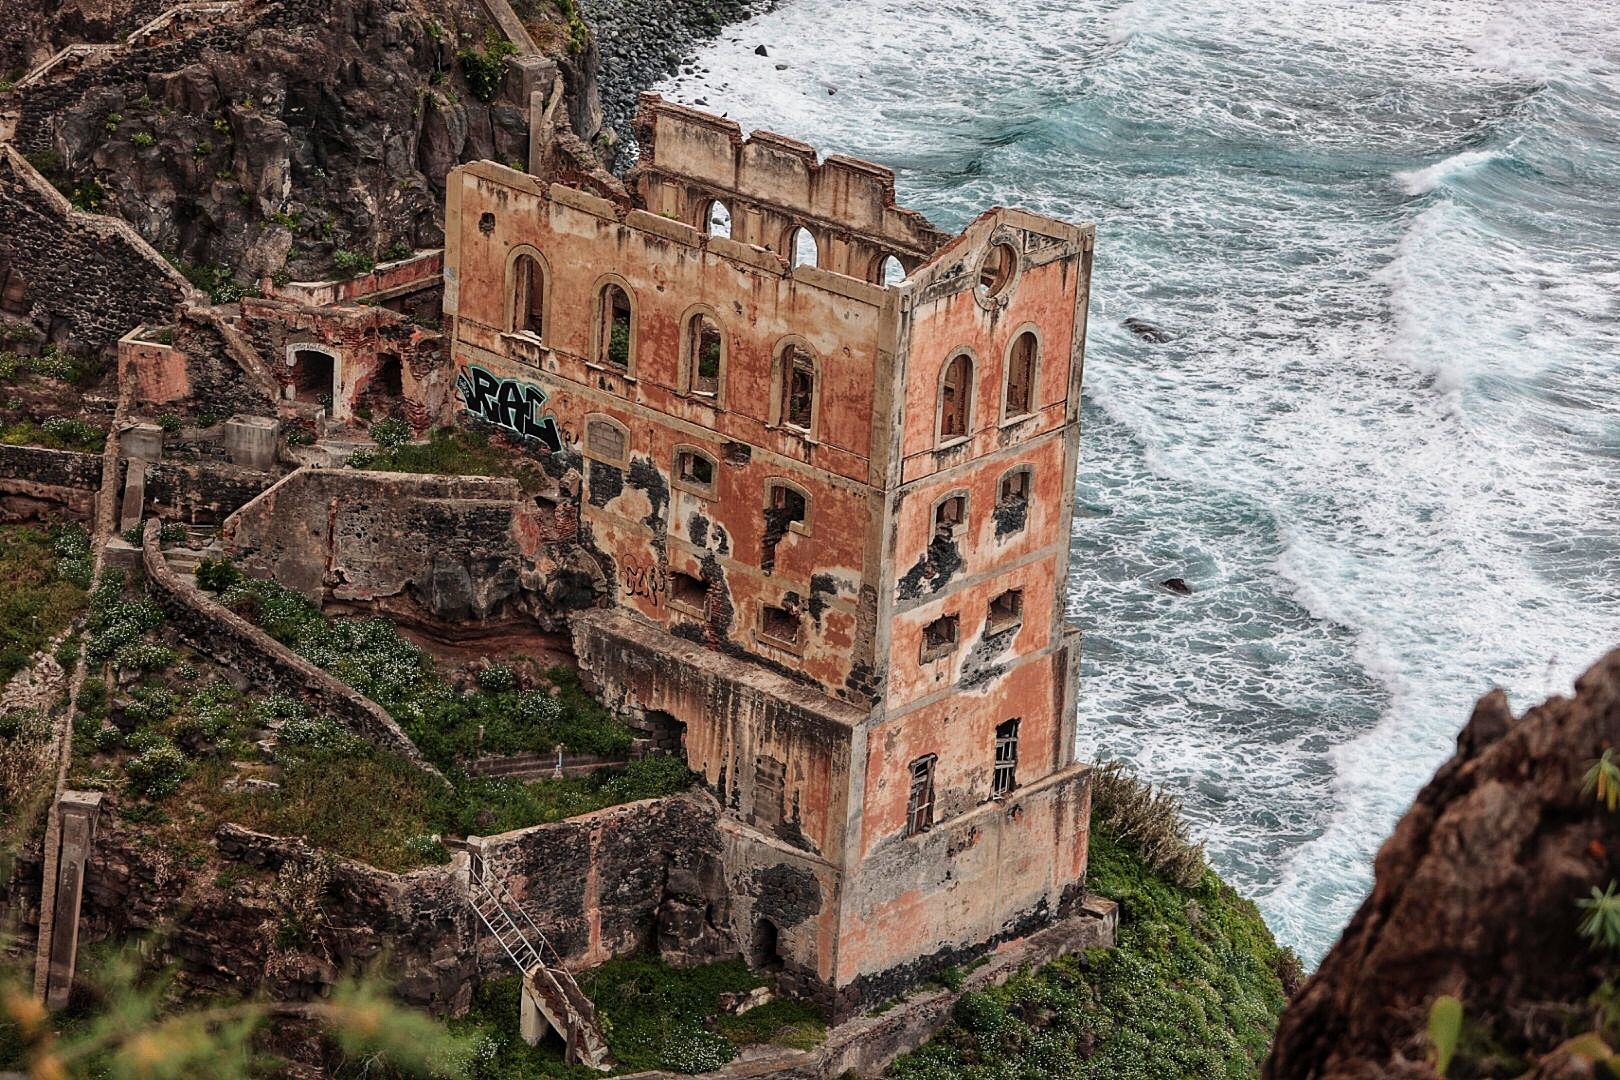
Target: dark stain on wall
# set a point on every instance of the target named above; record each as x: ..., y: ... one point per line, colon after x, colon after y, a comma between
x: 822, y: 586
x: 937, y: 566
x: 604, y: 483
x: 787, y: 895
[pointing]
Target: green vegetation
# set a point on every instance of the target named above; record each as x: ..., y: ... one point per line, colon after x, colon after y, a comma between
x: 143, y: 139
x: 1445, y: 1028
x: 658, y: 1017
x: 51, y: 363
x: 1601, y: 923
x: 219, y: 282
x: 352, y: 263
x: 1193, y: 989
x: 46, y: 574
x: 1603, y: 780
x: 485, y: 68
x: 579, y: 34
x: 446, y: 724
x: 56, y: 433
x: 132, y: 1029
x: 390, y: 434
x: 453, y: 452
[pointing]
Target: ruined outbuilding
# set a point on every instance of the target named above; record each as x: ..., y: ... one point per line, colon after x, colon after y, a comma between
x: 822, y: 453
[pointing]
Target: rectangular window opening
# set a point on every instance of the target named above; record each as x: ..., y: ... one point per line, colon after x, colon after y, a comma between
x: 920, y: 801
x: 1006, y: 611
x: 782, y: 625
x: 688, y: 591
x: 1015, y: 487
x: 1006, y: 774
x: 949, y: 516
x: 939, y: 637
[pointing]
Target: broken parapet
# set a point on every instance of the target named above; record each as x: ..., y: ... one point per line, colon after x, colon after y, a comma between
x: 217, y: 632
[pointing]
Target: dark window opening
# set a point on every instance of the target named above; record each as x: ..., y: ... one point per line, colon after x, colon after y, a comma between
x: 486, y: 223
x: 615, y: 329
x: 694, y: 468
x: 688, y: 591
x: 782, y: 625
x: 390, y: 378
x: 920, y: 800
x: 666, y: 734
x: 313, y: 377
x: 1006, y: 611
x: 956, y: 397
x: 784, y: 508
x: 949, y: 516
x: 765, y: 947
x: 770, y: 781
x: 703, y: 341
x: 939, y: 637
x: 798, y: 387
x: 1006, y: 774
x: 1021, y: 375
x: 1015, y: 487
x: 528, y: 295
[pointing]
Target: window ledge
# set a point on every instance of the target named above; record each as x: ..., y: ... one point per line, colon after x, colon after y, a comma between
x: 762, y: 638
x: 610, y: 369
x: 955, y: 442
x: 938, y: 652
x: 1016, y: 419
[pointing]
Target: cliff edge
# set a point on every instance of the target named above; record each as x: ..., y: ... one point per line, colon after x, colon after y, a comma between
x: 1475, y: 896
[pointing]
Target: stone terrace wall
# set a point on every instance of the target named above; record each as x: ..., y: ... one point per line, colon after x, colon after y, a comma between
x: 221, y: 634
x: 34, y: 480
x: 460, y: 548
x: 91, y: 274
x: 621, y: 880
x: 202, y: 493
x: 223, y: 938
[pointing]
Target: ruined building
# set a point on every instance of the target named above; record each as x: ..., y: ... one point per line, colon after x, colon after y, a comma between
x: 822, y: 453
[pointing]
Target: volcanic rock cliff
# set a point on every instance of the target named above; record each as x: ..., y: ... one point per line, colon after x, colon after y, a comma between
x: 293, y: 137
x: 1475, y: 896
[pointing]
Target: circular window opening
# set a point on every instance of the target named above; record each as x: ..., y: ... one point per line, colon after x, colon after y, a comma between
x: 996, y: 272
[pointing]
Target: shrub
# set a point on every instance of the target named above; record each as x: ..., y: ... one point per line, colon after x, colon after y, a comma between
x: 352, y: 263
x: 217, y: 575
x: 501, y: 679
x: 143, y: 139
x: 170, y: 423
x: 485, y: 68
x: 390, y: 433
x: 1148, y: 820
x: 1601, y: 923
x: 143, y: 656
x: 173, y: 532
x: 299, y: 437
x: 152, y: 704
x: 157, y: 772
x: 427, y: 849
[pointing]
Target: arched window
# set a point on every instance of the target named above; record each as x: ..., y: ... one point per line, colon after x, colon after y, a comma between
x: 890, y: 271
x: 528, y: 284
x: 705, y: 355
x: 606, y: 440
x: 956, y: 397
x: 787, y: 509
x: 615, y: 327
x: 717, y: 219
x: 802, y: 248
x: 796, y: 386
x: 1021, y: 361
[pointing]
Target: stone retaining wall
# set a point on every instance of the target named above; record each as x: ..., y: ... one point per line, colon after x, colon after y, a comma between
x: 228, y: 639
x: 35, y: 481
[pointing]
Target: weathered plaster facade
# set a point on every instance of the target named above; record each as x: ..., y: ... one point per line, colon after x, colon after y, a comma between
x: 832, y: 512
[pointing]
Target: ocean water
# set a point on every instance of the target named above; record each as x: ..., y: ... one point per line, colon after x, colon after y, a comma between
x: 1383, y: 440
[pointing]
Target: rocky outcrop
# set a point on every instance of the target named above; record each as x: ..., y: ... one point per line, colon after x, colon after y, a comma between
x: 1475, y: 896
x: 276, y: 137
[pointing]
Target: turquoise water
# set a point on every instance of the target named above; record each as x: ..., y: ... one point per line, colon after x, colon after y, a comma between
x: 1383, y: 442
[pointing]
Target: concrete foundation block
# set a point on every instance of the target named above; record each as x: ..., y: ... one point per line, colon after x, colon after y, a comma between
x: 251, y: 441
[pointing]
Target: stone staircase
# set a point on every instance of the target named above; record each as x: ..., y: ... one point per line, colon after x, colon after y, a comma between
x: 547, y: 985
x: 185, y: 560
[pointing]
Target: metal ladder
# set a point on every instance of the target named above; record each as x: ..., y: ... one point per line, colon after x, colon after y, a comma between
x: 564, y: 1004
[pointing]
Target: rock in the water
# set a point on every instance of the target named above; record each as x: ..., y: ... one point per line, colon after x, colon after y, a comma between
x: 761, y: 51
x: 1147, y: 331
x: 1177, y: 585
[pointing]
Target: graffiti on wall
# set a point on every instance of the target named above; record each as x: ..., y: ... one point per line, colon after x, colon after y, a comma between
x: 650, y: 581
x: 514, y: 406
